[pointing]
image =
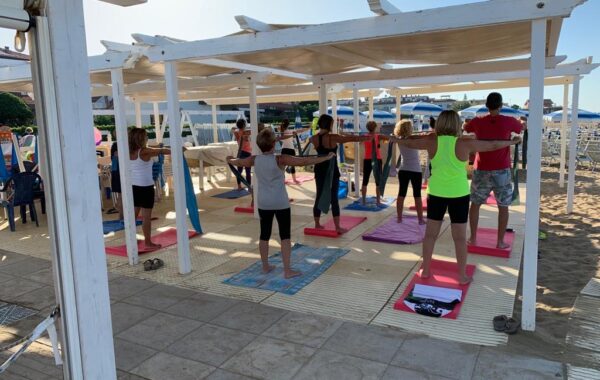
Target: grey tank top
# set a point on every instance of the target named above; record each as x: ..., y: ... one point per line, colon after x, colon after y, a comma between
x: 272, y: 194
x: 410, y: 159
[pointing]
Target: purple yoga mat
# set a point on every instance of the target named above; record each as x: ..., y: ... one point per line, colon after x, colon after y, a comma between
x: 407, y: 232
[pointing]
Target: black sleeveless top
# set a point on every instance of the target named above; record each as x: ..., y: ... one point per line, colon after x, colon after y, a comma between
x: 322, y: 150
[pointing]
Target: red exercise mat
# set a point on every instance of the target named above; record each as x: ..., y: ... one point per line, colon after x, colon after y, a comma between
x: 443, y: 274
x: 248, y: 209
x: 165, y: 239
x: 424, y: 200
x: 300, y: 178
x: 328, y: 230
x: 491, y: 200
x: 486, y: 243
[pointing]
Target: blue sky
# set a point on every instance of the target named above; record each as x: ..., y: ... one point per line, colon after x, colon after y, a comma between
x: 193, y: 19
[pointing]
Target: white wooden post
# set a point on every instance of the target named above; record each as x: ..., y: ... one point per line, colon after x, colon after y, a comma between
x: 334, y: 112
x: 371, y: 110
x: 215, y: 125
x: 157, y: 126
x: 253, y: 134
x: 138, y: 114
x: 573, y: 145
x: 398, y: 105
x: 356, y: 145
x: 563, y: 135
x: 64, y: 116
x: 183, y: 244
x: 534, y: 155
x: 116, y: 76
x: 322, y: 99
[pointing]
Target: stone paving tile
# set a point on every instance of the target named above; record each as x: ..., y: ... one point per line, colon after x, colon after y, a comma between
x: 11, y: 291
x: 24, y: 267
x: 125, y: 315
x: 45, y: 276
x: 250, y: 317
x: 267, y: 358
x: 306, y: 329
x: 129, y: 355
x: 123, y: 287
x: 496, y: 365
x: 163, y: 366
x: 202, y: 307
x: 332, y: 365
x: 9, y: 258
x: 38, y: 299
x: 159, y: 330
x: 6, y: 277
x: 437, y: 357
x: 211, y: 344
x: 368, y: 342
x: 221, y: 374
x: 159, y: 297
x: 396, y: 373
x: 128, y: 376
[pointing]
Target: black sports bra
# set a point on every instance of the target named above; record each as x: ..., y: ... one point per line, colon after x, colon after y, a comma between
x: 322, y: 150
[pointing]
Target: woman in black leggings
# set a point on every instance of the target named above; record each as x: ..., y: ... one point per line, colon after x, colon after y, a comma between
x: 324, y: 143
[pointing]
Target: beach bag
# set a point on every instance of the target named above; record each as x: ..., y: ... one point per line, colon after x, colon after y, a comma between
x: 343, y: 191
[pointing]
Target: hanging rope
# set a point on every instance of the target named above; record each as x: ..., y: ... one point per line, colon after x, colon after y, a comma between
x: 299, y: 146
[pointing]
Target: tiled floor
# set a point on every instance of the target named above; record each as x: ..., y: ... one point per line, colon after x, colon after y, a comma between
x: 182, y: 334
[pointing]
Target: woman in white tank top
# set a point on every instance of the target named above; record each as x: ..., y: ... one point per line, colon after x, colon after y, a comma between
x: 272, y: 199
x: 287, y: 144
x: 140, y: 165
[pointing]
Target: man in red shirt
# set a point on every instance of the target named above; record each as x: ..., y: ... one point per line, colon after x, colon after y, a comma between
x: 492, y: 169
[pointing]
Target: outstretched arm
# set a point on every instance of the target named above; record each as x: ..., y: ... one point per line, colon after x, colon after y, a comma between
x: 287, y: 160
x: 488, y: 146
x: 245, y: 162
x: 153, y: 152
x: 414, y: 142
x: 341, y: 139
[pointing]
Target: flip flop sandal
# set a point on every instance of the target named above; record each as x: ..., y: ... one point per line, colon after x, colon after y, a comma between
x: 148, y: 265
x: 512, y: 326
x: 500, y: 323
x: 112, y: 211
x: 157, y: 263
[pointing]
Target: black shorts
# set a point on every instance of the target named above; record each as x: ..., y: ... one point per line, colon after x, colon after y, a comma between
x: 284, y: 220
x: 143, y: 196
x: 115, y: 182
x: 415, y: 179
x: 289, y: 152
x: 367, y: 169
x: 458, y: 208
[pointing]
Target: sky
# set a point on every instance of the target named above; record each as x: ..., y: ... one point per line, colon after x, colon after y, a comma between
x: 194, y: 19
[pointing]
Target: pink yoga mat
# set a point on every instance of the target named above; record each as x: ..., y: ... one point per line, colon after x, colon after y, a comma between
x: 347, y: 222
x: 300, y: 178
x: 414, y: 208
x: 486, y: 243
x: 443, y: 274
x: 407, y: 232
x: 491, y: 200
x: 165, y: 239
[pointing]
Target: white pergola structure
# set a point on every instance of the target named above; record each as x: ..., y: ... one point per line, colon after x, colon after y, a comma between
x: 479, y: 42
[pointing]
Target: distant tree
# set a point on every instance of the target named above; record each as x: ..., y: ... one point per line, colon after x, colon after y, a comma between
x: 104, y: 120
x: 459, y: 106
x: 515, y: 107
x: 306, y: 109
x: 14, y: 111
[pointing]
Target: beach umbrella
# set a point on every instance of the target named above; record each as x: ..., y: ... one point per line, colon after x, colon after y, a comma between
x: 298, y: 121
x: 583, y: 116
x: 380, y: 115
x: 482, y: 110
x: 341, y: 111
x: 419, y: 108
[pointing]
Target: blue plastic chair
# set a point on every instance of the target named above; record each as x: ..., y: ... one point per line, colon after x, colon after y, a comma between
x: 21, y: 192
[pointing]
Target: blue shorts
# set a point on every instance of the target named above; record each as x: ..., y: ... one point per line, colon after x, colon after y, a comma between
x: 484, y: 182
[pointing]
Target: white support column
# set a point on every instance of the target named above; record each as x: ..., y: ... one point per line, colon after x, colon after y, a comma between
x: 563, y: 135
x: 157, y: 127
x: 398, y: 105
x: 573, y: 145
x: 322, y: 99
x: 58, y: 51
x: 371, y: 110
x: 534, y: 155
x: 138, y: 114
x: 214, y: 123
x: 334, y: 112
x: 183, y: 244
x: 356, y: 145
x: 253, y: 134
x: 118, y: 90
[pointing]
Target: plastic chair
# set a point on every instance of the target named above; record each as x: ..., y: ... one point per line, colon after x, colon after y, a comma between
x: 38, y: 190
x: 21, y: 192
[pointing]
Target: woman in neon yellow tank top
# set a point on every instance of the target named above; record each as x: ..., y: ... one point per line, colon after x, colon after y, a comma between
x: 448, y: 188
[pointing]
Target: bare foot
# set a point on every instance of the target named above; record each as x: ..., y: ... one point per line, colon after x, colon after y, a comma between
x: 425, y: 274
x: 399, y: 218
x: 268, y: 268
x: 341, y: 230
x: 318, y: 226
x: 464, y: 280
x: 502, y: 245
x: 422, y: 222
x: 472, y: 241
x: 364, y: 201
x: 378, y: 203
x: 152, y: 245
x: 291, y: 273
x: 297, y: 182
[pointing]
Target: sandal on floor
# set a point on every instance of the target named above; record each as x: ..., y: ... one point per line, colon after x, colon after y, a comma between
x: 507, y: 325
x: 500, y: 323
x: 148, y: 265
x: 512, y: 326
x: 157, y: 263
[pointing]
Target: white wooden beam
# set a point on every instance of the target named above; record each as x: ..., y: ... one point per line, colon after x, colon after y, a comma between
x: 383, y: 7
x: 356, y: 107
x: 157, y: 127
x: 252, y: 25
x: 213, y: 110
x: 408, y: 23
x: 534, y: 167
x: 253, y: 135
x: 58, y: 50
x: 183, y: 244
x: 553, y: 36
x: 573, y: 145
x: 563, y: 135
x: 345, y: 55
x: 322, y: 99
x: 138, y: 114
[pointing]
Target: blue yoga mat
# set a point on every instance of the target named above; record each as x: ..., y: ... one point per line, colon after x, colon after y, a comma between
x: 115, y: 225
x: 308, y: 260
x: 371, y: 204
x: 232, y: 194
